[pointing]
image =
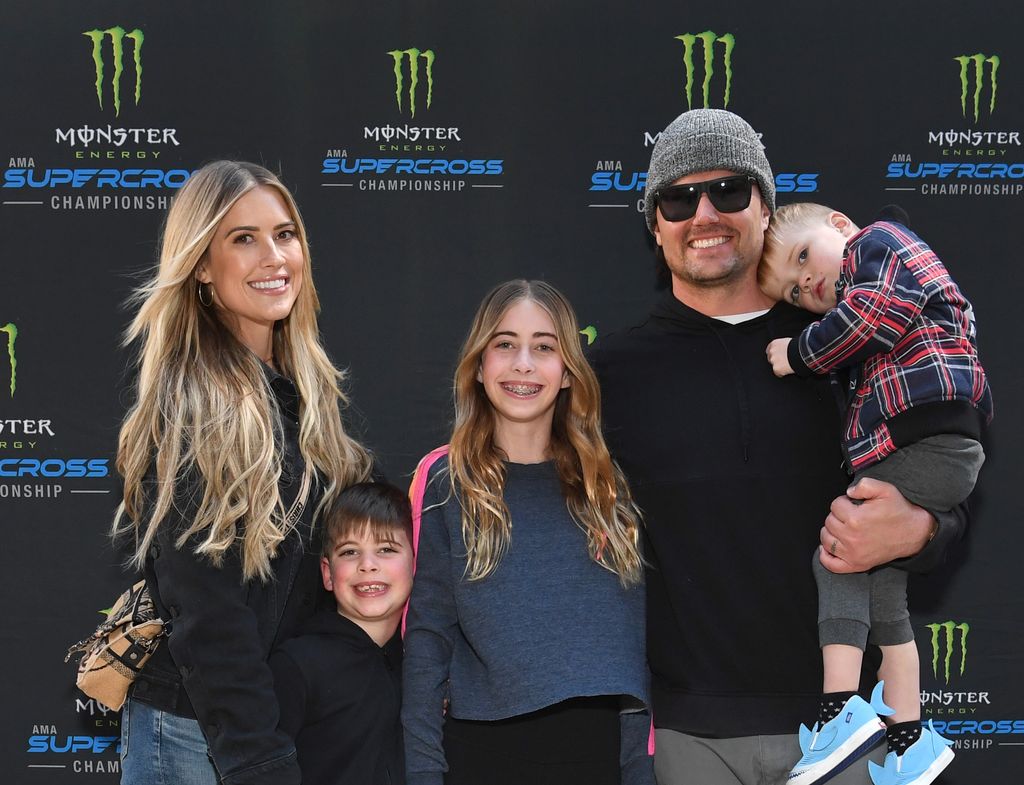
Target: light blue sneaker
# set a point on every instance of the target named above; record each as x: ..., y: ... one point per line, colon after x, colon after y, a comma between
x: 920, y: 764
x: 840, y: 741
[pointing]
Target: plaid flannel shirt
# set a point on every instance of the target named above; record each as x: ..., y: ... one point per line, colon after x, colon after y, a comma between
x: 907, y: 326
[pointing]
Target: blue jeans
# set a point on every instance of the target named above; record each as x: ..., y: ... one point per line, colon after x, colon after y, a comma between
x: 158, y: 748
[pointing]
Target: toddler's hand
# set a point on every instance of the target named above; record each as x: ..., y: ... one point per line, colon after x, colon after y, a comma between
x: 778, y: 356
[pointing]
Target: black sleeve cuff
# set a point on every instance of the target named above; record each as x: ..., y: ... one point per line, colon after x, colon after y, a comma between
x: 796, y: 362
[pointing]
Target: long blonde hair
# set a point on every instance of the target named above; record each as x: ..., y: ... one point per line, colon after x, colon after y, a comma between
x: 204, y: 409
x: 593, y: 486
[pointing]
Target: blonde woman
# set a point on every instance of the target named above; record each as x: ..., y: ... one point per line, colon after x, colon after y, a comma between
x: 527, y: 611
x: 237, y: 405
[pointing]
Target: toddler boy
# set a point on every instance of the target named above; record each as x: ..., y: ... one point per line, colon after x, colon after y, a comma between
x: 898, y: 337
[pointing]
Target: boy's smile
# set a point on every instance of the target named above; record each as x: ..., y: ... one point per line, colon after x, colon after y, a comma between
x: 371, y: 578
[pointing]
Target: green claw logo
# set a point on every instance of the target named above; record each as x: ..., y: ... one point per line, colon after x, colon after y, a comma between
x: 117, y: 36
x: 12, y: 334
x: 413, y: 55
x: 946, y: 644
x: 708, y: 40
x: 978, y: 78
x: 591, y: 334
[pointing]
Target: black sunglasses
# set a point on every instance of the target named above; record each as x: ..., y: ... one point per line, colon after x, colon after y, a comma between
x: 727, y: 195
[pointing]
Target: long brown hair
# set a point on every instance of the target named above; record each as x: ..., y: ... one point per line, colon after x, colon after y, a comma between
x: 594, y: 488
x: 204, y: 406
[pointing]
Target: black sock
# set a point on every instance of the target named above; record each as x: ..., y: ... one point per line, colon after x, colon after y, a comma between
x: 831, y: 704
x: 901, y: 735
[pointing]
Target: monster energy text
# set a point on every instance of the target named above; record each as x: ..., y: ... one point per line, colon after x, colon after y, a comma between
x: 118, y: 137
x: 393, y: 137
x: 953, y: 703
x: 971, y: 143
x: 413, y: 55
x: 410, y: 133
x: 22, y: 427
x: 117, y: 36
x: 23, y: 434
x: 708, y: 40
x: 974, y: 138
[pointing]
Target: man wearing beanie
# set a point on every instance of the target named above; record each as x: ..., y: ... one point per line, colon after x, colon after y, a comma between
x: 735, y: 471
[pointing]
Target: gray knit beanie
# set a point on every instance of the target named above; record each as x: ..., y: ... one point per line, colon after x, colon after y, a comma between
x: 703, y: 140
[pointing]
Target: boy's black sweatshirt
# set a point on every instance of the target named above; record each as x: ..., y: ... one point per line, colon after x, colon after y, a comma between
x: 340, y: 696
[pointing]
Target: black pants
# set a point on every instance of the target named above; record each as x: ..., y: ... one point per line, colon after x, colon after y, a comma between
x: 576, y: 741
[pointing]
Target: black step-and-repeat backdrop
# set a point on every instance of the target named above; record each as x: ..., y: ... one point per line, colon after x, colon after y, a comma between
x: 436, y: 149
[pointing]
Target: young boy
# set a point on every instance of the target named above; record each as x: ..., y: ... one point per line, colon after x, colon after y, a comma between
x: 899, y: 338
x: 339, y: 682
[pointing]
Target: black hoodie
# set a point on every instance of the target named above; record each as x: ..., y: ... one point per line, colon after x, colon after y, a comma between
x: 340, y: 696
x: 734, y: 471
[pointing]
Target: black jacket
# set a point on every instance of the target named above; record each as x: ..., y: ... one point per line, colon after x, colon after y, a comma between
x: 734, y: 470
x: 213, y: 666
x: 340, y: 696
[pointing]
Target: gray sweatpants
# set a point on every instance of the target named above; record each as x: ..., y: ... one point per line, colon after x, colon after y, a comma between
x: 936, y: 473
x: 680, y: 759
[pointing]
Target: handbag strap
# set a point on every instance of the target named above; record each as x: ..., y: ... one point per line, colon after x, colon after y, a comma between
x: 417, y: 489
x: 293, y: 514
x: 295, y: 511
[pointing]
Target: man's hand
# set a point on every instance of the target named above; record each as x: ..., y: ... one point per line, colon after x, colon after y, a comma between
x: 871, y: 525
x: 778, y: 356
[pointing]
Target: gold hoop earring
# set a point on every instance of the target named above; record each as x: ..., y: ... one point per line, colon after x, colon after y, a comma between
x: 203, y: 302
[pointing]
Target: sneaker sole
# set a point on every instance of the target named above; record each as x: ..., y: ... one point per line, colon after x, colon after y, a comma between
x: 856, y: 746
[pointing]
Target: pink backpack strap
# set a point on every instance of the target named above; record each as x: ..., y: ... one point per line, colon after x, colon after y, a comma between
x: 417, y: 489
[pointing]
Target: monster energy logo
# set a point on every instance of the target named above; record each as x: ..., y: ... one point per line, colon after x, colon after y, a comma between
x: 708, y: 40
x: 414, y: 56
x: 979, y: 61
x: 12, y: 334
x: 947, y: 644
x: 117, y: 36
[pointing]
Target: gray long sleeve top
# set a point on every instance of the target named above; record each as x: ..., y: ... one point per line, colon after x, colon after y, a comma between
x: 547, y: 625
